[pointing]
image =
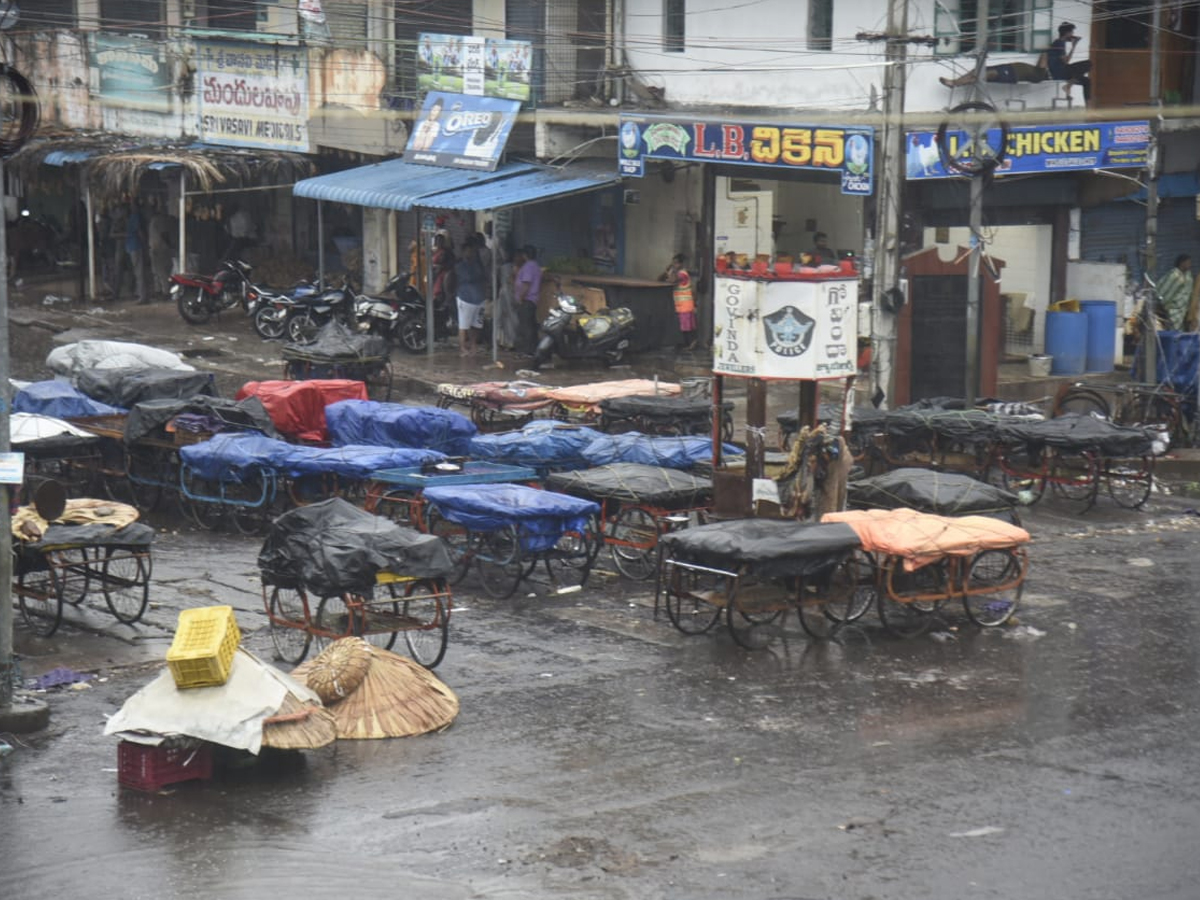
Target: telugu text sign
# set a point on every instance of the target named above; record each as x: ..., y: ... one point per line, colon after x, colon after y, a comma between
x: 253, y: 95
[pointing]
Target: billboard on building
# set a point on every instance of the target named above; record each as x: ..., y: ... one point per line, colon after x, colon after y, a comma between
x: 252, y: 95
x: 848, y: 151
x: 132, y: 72
x: 1038, y: 149
x: 461, y: 131
x: 459, y: 64
x: 802, y: 330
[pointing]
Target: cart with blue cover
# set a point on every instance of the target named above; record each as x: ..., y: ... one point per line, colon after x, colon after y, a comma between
x: 399, y: 493
x: 331, y: 570
x: 506, y: 531
x: 638, y: 505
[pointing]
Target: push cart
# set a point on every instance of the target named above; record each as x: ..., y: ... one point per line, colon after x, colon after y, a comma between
x: 332, y: 570
x: 398, y: 493
x: 338, y: 353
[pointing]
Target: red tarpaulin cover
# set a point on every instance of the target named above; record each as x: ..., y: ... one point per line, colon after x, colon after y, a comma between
x: 297, y: 408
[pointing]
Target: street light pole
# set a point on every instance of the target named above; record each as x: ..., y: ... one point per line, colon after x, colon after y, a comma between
x: 971, y: 380
x: 6, y: 610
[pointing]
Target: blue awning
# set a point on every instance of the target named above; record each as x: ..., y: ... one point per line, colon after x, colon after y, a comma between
x: 1175, y: 184
x: 66, y: 157
x: 401, y: 186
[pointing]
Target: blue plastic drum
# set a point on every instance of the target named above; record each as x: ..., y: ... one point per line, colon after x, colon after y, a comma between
x: 1066, y: 341
x: 1101, y: 334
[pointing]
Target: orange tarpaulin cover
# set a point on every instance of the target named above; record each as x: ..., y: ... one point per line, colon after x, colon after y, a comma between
x: 591, y: 394
x: 920, y: 538
x: 297, y: 408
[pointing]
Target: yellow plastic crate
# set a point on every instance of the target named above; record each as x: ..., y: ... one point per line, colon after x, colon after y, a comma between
x: 205, y: 640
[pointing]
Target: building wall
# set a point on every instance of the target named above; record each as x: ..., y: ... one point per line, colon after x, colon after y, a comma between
x: 757, y: 56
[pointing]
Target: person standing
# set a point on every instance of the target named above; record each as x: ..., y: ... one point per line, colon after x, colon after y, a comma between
x: 242, y: 233
x: 135, y: 247
x: 163, y: 231
x: 1175, y: 291
x: 527, y: 288
x: 1058, y: 62
x: 676, y: 274
x: 470, y: 293
x: 443, y: 269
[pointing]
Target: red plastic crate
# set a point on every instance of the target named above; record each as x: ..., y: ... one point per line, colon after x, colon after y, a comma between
x: 146, y: 768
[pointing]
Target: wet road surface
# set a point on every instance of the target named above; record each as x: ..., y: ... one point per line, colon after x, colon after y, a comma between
x: 601, y: 754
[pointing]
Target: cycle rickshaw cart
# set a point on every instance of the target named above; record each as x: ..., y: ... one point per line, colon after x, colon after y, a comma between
x: 497, y: 405
x: 92, y: 548
x: 331, y: 570
x: 638, y: 505
x: 508, y: 530
x: 398, y: 493
x: 667, y: 415
x: 338, y: 353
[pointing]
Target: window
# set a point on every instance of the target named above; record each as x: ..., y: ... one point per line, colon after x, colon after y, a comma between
x: 48, y: 14
x: 1126, y: 25
x: 674, y: 29
x: 227, y: 15
x: 1014, y: 26
x: 133, y: 16
x: 820, y: 24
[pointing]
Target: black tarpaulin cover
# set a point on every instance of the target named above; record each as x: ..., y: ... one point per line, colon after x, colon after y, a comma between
x: 1081, y: 432
x: 333, y: 547
x: 337, y: 343
x: 942, y: 493
x: 235, y: 415
x: 136, y: 535
x: 128, y: 387
x: 659, y: 407
x: 634, y: 483
x: 963, y: 425
x: 770, y: 548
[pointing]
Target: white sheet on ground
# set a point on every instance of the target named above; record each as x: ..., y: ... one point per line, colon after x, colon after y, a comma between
x: 71, y: 359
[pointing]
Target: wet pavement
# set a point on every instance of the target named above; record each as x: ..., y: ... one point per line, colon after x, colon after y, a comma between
x: 601, y: 754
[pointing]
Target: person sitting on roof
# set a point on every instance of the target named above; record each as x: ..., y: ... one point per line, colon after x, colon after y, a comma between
x: 1006, y: 73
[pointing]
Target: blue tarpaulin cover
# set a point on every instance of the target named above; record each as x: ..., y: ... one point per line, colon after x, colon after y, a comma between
x: 542, y: 516
x: 392, y: 424
x: 540, y: 445
x: 60, y: 400
x: 668, y: 452
x: 233, y: 457
x: 1176, y: 363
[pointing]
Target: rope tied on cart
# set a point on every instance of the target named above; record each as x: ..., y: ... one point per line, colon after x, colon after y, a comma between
x: 813, y: 480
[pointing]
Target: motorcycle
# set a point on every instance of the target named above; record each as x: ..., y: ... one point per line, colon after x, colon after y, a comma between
x: 572, y: 332
x: 272, y: 308
x: 381, y: 315
x: 311, y: 311
x: 412, y: 329
x: 200, y: 297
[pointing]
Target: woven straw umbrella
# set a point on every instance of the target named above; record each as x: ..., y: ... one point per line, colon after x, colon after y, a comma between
x: 375, y: 693
x: 299, y: 726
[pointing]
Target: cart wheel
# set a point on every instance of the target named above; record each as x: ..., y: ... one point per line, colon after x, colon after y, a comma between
x: 399, y: 507
x: 205, y: 514
x: 75, y: 576
x: 1076, y: 477
x: 147, y: 473
x: 902, y: 614
x: 634, y: 543
x: 498, y: 558
x: 333, y: 621
x: 859, y: 574
x: 288, y: 620
x: 249, y: 504
x: 752, y: 617
x: 995, y: 583
x: 379, y: 621
x: 570, y: 562
x: 1082, y: 401
x: 458, y: 541
x: 125, y: 580
x: 694, y: 599
x: 379, y: 382
x: 428, y: 616
x: 40, y: 598
x: 1129, y: 481
x: 1021, y: 472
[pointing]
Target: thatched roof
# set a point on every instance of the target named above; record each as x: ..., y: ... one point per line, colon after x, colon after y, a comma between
x: 116, y: 163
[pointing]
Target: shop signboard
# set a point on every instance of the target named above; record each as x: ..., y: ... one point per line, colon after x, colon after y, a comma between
x: 133, y: 73
x: 252, y: 95
x: 1040, y: 149
x: 785, y: 329
x: 460, y: 131
x: 452, y: 62
x: 847, y: 151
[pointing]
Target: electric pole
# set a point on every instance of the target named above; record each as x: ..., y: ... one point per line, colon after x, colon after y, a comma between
x: 971, y: 381
x: 1150, y: 307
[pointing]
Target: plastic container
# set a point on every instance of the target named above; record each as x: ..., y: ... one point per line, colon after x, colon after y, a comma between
x: 1101, y: 334
x: 1066, y: 342
x: 202, y: 653
x: 1039, y: 365
x: 146, y: 768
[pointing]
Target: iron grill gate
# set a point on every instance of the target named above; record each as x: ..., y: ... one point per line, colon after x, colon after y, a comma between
x: 939, y: 328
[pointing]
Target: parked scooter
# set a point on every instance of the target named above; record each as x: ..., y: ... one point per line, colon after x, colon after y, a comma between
x: 200, y: 297
x: 571, y: 332
x: 382, y: 314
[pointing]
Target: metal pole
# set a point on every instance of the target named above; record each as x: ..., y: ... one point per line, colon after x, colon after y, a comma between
x: 491, y: 216
x: 181, y: 262
x: 91, y: 237
x: 6, y: 569
x: 971, y: 381
x: 429, y: 320
x: 320, y: 245
x: 1149, y: 317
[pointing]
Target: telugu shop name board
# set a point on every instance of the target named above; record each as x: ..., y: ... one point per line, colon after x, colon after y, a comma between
x: 1111, y: 145
x: 848, y: 151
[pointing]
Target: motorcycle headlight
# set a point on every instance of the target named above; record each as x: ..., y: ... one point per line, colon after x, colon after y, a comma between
x: 176, y: 291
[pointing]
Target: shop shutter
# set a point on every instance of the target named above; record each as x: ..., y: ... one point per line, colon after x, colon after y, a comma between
x: 1116, y: 232
x: 347, y: 20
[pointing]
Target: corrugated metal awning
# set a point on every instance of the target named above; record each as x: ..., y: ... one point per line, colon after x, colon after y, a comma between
x: 401, y: 186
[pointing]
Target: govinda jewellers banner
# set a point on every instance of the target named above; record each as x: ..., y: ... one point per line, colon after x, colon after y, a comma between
x: 785, y: 329
x: 253, y: 95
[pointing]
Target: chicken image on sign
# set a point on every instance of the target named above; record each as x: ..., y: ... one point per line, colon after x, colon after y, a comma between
x: 795, y: 329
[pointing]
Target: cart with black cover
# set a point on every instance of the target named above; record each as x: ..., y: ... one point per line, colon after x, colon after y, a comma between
x: 331, y: 570
x: 336, y: 353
